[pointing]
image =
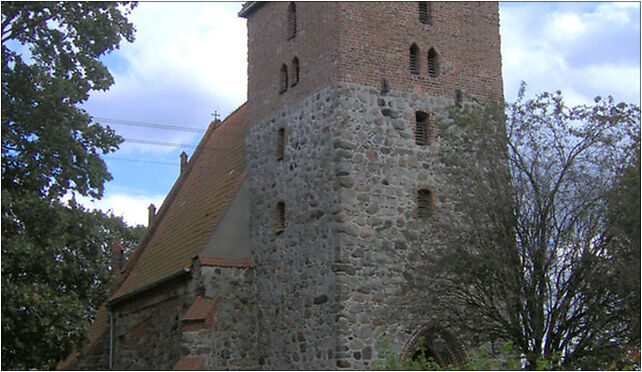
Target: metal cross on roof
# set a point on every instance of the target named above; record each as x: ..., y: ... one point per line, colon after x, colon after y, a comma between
x: 215, y: 114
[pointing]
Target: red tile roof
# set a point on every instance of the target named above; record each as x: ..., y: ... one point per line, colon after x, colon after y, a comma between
x: 194, y: 207
x: 188, y: 217
x: 206, y: 260
x: 200, y: 310
x: 190, y: 364
x: 200, y: 315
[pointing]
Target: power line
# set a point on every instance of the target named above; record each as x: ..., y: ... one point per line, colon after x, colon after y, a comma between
x: 176, y: 144
x: 159, y: 143
x: 150, y: 125
x: 142, y: 161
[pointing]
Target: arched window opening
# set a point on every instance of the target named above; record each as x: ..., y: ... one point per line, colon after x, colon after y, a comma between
x: 425, y: 12
x: 291, y: 20
x: 414, y: 59
x: 284, y: 79
x: 425, y: 204
x: 433, y: 62
x: 279, y: 217
x: 295, y: 71
x: 438, y: 344
x: 423, y: 128
x: 280, y: 144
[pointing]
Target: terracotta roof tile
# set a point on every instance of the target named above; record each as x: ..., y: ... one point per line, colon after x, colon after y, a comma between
x: 206, y: 260
x: 194, y: 207
x: 200, y: 310
x: 186, y: 220
x: 190, y: 364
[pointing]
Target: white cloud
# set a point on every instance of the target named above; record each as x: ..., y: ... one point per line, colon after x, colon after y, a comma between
x: 188, y: 60
x: 584, y: 50
x: 133, y: 208
x: 201, y: 45
x: 566, y: 27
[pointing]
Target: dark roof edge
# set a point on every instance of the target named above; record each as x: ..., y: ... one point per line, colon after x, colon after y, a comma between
x: 140, y: 247
x: 248, y: 8
x: 111, y: 303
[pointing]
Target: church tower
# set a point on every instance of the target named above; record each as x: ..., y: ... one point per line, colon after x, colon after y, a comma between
x: 341, y: 152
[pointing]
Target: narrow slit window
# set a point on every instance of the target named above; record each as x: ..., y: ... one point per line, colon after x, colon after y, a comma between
x: 433, y: 62
x: 295, y: 71
x: 425, y: 12
x: 424, y: 203
x: 279, y: 218
x: 291, y: 20
x: 458, y: 98
x: 284, y: 79
x: 423, y: 128
x: 280, y: 144
x: 414, y: 59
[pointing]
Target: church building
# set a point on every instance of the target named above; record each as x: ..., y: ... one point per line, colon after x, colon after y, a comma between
x: 286, y: 238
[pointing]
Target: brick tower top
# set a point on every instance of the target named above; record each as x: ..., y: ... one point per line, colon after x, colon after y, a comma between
x: 438, y: 48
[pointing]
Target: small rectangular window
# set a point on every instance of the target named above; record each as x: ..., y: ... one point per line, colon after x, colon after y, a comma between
x: 280, y: 144
x: 433, y: 62
x: 291, y: 20
x: 283, y: 84
x: 295, y: 71
x: 279, y: 218
x: 414, y: 59
x: 425, y: 12
x: 423, y: 128
x: 424, y: 203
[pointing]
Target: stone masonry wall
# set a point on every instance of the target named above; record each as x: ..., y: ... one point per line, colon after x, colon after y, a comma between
x: 382, y: 170
x: 349, y: 181
x: 147, y: 332
x: 232, y: 341
x: 352, y: 168
x: 150, y: 333
x: 295, y: 268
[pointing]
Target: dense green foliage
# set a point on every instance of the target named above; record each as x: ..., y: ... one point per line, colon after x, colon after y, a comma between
x: 50, y: 63
x: 55, y: 274
x: 547, y: 208
x: 54, y: 255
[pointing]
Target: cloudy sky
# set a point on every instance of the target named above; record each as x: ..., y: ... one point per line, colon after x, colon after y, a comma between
x: 189, y: 61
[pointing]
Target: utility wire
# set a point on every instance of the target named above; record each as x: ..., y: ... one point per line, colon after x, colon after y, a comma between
x: 150, y: 125
x: 159, y: 143
x: 142, y: 161
x: 175, y: 144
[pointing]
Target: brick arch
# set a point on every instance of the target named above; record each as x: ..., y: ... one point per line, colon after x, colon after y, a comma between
x: 439, y: 343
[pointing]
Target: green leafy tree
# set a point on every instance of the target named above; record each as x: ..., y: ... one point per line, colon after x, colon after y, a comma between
x: 55, y: 274
x: 54, y: 255
x: 50, y: 63
x: 533, y: 259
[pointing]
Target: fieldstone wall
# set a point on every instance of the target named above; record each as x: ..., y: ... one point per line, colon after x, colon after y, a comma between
x: 382, y: 169
x: 232, y: 341
x: 349, y: 179
x: 147, y: 331
x: 151, y: 333
x: 296, y: 272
